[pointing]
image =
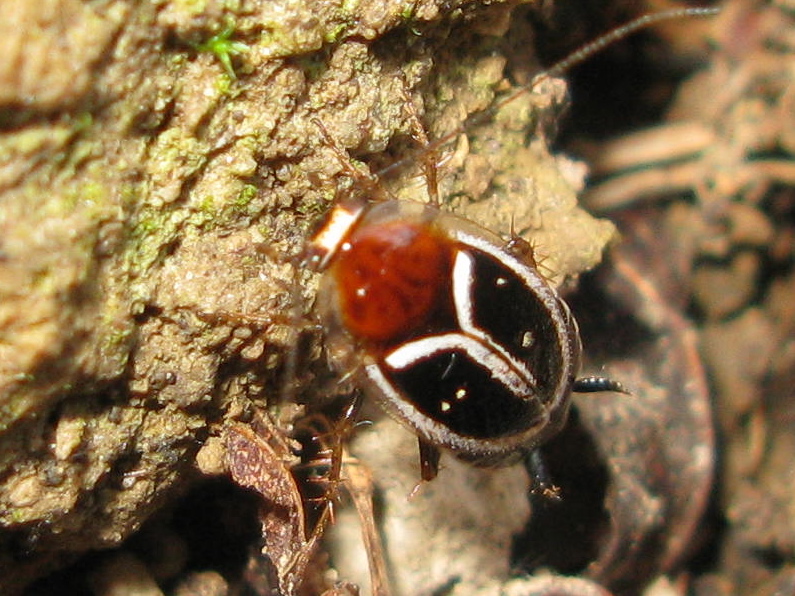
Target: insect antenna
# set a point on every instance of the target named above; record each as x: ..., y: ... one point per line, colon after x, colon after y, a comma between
x: 575, y: 58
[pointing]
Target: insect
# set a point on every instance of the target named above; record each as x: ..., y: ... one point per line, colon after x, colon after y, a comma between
x: 451, y: 329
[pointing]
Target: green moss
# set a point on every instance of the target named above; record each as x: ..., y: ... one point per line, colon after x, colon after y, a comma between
x: 223, y: 85
x: 314, y: 208
x: 212, y: 212
x: 151, y: 231
x: 246, y: 195
x: 224, y: 48
x: 239, y: 206
x: 206, y: 206
x: 117, y: 338
x: 337, y: 33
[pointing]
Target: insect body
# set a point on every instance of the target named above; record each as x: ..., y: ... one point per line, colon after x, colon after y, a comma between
x: 454, y: 331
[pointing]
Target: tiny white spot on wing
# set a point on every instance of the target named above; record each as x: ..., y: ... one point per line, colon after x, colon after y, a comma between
x: 527, y: 339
